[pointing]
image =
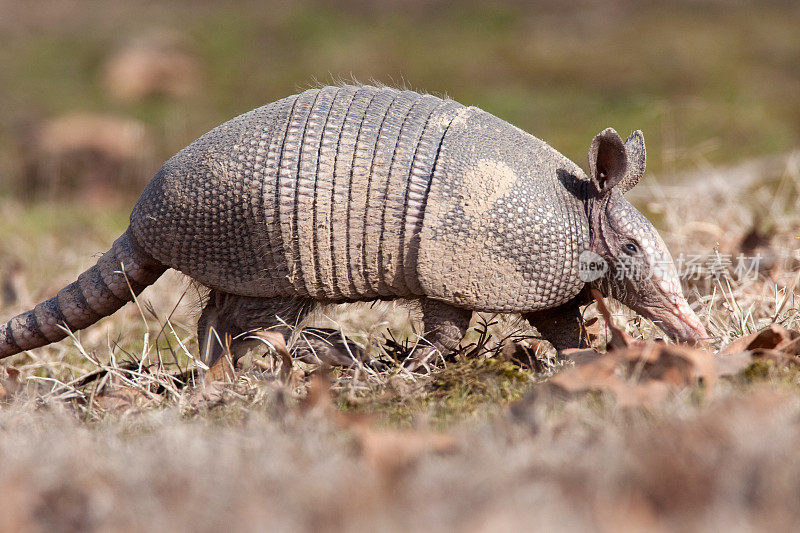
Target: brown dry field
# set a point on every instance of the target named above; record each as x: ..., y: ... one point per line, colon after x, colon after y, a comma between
x: 478, y: 444
x: 118, y: 429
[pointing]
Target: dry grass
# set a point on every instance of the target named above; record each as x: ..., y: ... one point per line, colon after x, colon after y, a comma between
x: 115, y: 430
x: 731, y: 461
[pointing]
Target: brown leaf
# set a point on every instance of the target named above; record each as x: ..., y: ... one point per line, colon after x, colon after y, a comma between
x: 580, y: 355
x: 221, y: 370
x: 209, y: 395
x: 732, y: 364
x: 586, y: 376
x: 122, y: 398
x: 319, y: 393
x: 679, y: 365
x: 595, y: 332
x: 773, y: 337
x: 278, y: 343
x: 11, y: 385
x: 390, y: 452
x: 791, y: 347
x: 602, y: 375
x: 640, y: 374
x: 738, y: 345
x: 522, y: 353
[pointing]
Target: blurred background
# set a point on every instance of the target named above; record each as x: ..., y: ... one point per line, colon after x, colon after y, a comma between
x: 94, y: 96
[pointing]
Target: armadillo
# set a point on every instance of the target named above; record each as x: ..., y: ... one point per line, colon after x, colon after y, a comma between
x: 354, y: 193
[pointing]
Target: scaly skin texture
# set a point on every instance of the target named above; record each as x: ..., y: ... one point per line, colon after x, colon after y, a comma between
x: 120, y: 273
x: 317, y: 195
x: 355, y: 193
x: 504, y: 222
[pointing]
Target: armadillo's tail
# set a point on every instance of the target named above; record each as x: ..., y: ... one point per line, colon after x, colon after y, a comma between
x: 123, y: 271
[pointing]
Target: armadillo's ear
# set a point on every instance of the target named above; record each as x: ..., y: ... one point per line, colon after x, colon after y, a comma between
x: 637, y: 159
x: 608, y: 161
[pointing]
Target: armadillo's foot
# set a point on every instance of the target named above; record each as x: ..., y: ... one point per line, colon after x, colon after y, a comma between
x: 331, y: 347
x: 444, y: 326
x: 562, y: 326
x: 227, y: 317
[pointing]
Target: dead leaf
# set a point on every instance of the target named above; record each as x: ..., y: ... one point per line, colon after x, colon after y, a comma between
x: 732, y: 364
x: 640, y: 374
x: 602, y: 375
x: 773, y: 337
x: 580, y: 355
x: 678, y: 364
x: 523, y: 353
x: 319, y: 393
x: 222, y: 370
x: 390, y: 451
x: 208, y: 396
x: 277, y: 342
x: 121, y: 398
x: 594, y: 332
x: 10, y: 385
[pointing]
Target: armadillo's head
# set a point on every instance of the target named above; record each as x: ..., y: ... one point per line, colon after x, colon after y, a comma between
x: 641, y: 273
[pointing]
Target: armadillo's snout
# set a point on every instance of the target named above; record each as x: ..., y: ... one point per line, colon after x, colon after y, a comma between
x: 680, y: 322
x: 669, y: 308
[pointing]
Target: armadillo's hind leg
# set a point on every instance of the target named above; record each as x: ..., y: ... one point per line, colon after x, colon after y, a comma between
x: 444, y: 326
x: 214, y: 330
x: 562, y: 326
x: 227, y: 318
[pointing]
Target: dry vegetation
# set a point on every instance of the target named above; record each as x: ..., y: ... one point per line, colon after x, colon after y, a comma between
x: 118, y: 430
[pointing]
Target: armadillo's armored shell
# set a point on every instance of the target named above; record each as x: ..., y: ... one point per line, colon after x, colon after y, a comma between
x: 349, y: 193
x: 319, y: 194
x: 505, y: 220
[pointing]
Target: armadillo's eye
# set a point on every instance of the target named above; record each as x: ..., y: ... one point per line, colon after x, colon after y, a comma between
x: 631, y: 247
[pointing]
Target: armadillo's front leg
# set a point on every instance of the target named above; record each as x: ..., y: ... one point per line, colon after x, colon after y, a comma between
x: 444, y: 326
x: 561, y: 326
